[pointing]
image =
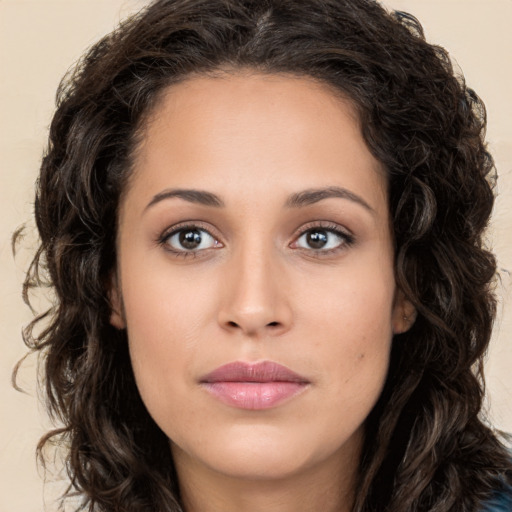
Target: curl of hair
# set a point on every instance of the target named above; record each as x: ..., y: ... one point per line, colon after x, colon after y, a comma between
x: 426, y: 446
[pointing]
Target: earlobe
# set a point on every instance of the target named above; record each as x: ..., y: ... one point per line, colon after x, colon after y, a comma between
x: 404, y: 314
x: 116, y: 305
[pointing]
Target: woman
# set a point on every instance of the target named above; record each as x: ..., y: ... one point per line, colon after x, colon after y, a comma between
x: 263, y: 224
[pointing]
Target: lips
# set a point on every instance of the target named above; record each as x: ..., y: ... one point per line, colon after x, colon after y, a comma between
x: 254, y: 386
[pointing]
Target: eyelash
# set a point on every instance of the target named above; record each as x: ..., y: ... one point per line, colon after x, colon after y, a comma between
x: 163, y: 240
x: 347, y: 239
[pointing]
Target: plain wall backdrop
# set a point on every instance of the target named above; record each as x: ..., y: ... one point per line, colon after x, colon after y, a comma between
x: 40, y: 39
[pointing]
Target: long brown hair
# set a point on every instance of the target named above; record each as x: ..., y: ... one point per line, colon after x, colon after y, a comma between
x: 426, y: 446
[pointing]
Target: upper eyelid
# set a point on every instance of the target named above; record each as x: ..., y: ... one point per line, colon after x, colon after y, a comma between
x: 163, y: 240
x: 175, y: 228
x: 326, y: 225
x: 348, y: 238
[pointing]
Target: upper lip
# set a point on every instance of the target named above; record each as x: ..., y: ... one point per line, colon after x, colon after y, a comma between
x: 264, y: 371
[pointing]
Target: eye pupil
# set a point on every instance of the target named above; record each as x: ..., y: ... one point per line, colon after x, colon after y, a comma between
x: 317, y: 239
x: 190, y: 239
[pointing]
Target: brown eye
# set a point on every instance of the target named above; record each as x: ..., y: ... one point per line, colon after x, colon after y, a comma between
x: 317, y: 239
x: 322, y: 239
x: 190, y: 240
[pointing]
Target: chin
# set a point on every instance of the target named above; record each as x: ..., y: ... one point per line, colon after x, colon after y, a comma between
x: 258, y: 453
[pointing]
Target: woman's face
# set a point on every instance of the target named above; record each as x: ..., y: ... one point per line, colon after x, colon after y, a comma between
x: 255, y: 276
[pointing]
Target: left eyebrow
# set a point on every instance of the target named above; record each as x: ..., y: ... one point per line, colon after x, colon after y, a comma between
x: 314, y: 195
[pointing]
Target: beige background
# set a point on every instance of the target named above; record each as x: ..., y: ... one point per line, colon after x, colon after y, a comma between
x: 39, y: 39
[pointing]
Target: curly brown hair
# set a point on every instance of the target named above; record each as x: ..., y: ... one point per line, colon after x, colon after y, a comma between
x: 426, y: 446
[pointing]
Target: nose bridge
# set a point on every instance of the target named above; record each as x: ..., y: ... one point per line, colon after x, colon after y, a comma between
x: 256, y: 290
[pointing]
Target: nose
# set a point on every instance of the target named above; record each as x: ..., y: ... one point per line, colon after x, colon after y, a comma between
x: 255, y: 300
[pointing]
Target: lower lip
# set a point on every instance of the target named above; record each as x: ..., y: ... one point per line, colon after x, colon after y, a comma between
x: 254, y: 395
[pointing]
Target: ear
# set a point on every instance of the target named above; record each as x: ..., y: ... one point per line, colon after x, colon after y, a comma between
x: 404, y: 313
x: 116, y: 303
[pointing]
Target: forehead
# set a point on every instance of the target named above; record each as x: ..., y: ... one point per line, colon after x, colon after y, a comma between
x: 258, y: 97
x: 280, y: 129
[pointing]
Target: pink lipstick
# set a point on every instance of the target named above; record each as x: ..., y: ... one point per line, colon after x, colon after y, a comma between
x: 253, y: 386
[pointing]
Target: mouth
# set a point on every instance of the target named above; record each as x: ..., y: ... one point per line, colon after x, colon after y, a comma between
x: 254, y: 386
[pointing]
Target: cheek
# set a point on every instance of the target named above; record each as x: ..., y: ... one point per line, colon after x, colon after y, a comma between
x: 350, y: 325
x: 168, y: 319
x: 161, y: 305
x: 355, y: 306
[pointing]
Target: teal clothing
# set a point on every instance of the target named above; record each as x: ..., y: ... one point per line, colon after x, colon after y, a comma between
x: 502, y: 502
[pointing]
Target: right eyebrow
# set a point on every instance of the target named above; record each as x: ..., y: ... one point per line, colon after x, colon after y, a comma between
x: 191, y: 195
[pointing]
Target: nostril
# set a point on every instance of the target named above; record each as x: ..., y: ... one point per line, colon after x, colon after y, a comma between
x: 273, y: 324
x: 232, y: 324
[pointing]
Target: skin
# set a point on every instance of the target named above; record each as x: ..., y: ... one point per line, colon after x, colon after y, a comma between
x: 256, y: 290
